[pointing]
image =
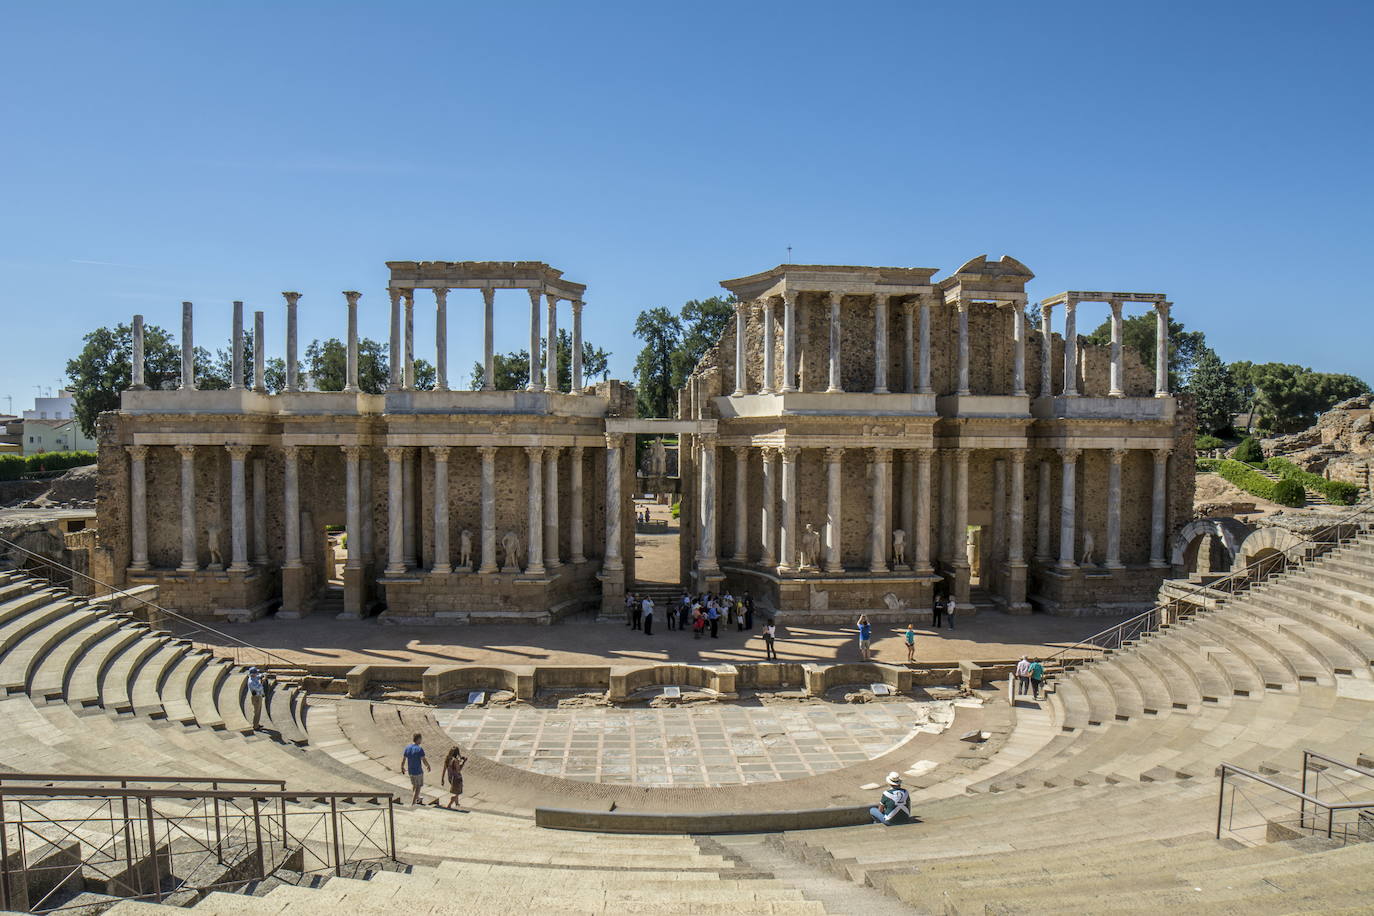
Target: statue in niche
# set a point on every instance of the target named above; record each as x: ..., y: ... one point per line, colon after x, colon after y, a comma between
x: 658, y: 459
x: 810, y: 543
x: 510, y: 544
x: 898, y: 547
x: 212, y: 531
x: 1089, y: 546
x: 465, y: 549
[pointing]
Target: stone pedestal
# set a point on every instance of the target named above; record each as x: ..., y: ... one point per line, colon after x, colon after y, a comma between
x: 355, y: 593
x: 296, y: 601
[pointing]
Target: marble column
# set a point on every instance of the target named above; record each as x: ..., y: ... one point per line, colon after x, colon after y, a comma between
x: 1046, y: 354
x: 995, y: 552
x: 834, y: 477
x: 1115, y: 390
x: 1162, y: 350
x: 351, y: 297
x: 880, y: 343
x: 614, y: 445
x: 440, y: 338
x: 137, y: 378
x: 393, y: 382
x: 236, y: 349
x: 408, y: 369
x: 963, y: 307
x: 488, y: 453
x: 365, y: 514
x: 907, y: 516
x: 260, y: 555
x: 1016, y: 506
x: 960, y: 526
x: 709, y: 551
x: 741, y: 365
x: 551, y: 529
x: 536, y: 381
x: 190, y: 561
x: 769, y: 513
x: 1042, y: 512
x: 909, y: 346
x: 769, y: 373
x: 923, y: 364
x: 789, y: 341
x: 488, y: 338
x: 138, y: 506
x: 741, y: 554
x: 409, y: 471
x: 576, y: 498
x: 353, y: 525
x: 882, y: 487
x: 551, y: 346
x: 577, y: 346
x: 1158, y: 507
x: 188, y: 349
x: 259, y: 354
x: 836, y: 341
x: 1070, y: 349
x: 238, y: 508
x: 1113, y: 557
x: 787, y: 531
x: 534, y: 558
x: 441, y: 560
x: 395, y: 516
x: 1018, y: 356
x: 293, y: 379
x: 920, y: 540
x: 291, y: 507
x: 1068, y: 541
x: 945, y: 540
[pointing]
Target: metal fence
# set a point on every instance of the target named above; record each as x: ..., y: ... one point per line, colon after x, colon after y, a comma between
x: 1336, y: 801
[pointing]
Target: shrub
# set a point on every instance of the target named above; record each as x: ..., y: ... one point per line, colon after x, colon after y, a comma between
x: 1289, y: 493
x: 1208, y: 465
x: 675, y: 509
x: 1248, y: 451
x: 1205, y: 442
x: 12, y: 466
x: 58, y: 461
x: 1337, y: 491
x: 1256, y: 484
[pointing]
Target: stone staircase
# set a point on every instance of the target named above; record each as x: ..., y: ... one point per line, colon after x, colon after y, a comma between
x: 1314, y: 497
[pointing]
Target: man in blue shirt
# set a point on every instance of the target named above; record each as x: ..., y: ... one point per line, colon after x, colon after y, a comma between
x: 411, y: 760
x: 865, y: 637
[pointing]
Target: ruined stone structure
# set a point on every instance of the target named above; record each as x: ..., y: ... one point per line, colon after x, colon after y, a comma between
x: 878, y: 435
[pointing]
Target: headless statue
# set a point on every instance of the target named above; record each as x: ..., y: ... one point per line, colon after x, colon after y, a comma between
x: 898, y: 547
x: 510, y: 543
x: 212, y: 536
x: 465, y: 549
x: 810, y: 546
x: 1089, y: 545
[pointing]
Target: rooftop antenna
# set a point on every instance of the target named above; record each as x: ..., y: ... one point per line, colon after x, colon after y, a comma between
x: 789, y: 254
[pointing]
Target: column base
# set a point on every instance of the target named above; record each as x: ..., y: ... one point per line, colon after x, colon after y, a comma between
x: 394, y: 569
x: 295, y: 603
x: 355, y: 592
x: 1158, y: 564
x: 139, y: 567
x: 535, y: 569
x: 441, y: 570
x: 1117, y: 565
x: 239, y: 567
x: 577, y: 559
x: 488, y: 570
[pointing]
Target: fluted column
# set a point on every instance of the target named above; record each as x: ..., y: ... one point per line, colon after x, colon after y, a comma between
x: 614, y: 444
x: 408, y: 369
x: 789, y: 341
x: 551, y: 346
x: 1018, y: 360
x: 909, y: 346
x: 409, y: 470
x: 787, y: 531
x: 551, y: 528
x: 770, y: 381
x: 741, y: 367
x: 575, y: 501
x: 260, y: 555
x: 259, y: 353
x: 1113, y: 557
x: 1115, y: 390
x: 920, y: 561
x: 880, y: 343
x: 709, y: 551
x: 536, y: 381
x: 834, y: 478
x: 769, y: 509
x: 577, y: 346
x: 1162, y: 350
x: 488, y: 453
x: 293, y: 377
x: 488, y: 339
x: 188, y: 348
x: 351, y: 297
x: 880, y: 483
x: 1070, y: 349
x: 291, y: 508
x: 353, y: 505
x: 138, y: 506
x: 1158, y: 507
x: 1042, y: 512
x: 395, y: 516
x: 741, y: 503
x: 393, y: 382
x: 236, y: 349
x: 137, y: 377
x: 441, y: 564
x: 534, y: 560
x: 440, y: 338
x: 836, y: 338
x: 1046, y: 352
x: 1067, y: 509
x: 238, y: 508
x: 923, y: 364
x: 189, y: 560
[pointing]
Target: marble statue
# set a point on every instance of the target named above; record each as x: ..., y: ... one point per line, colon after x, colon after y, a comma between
x: 510, y: 543
x: 810, y: 546
x: 212, y: 536
x: 465, y: 549
x: 1089, y: 545
x: 898, y: 547
x: 658, y: 459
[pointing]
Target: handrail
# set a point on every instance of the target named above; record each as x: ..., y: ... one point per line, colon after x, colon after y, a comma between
x: 192, y: 794
x: 179, y: 780
x: 1363, y: 771
x: 1301, y: 795
x: 1092, y: 642
x: 116, y: 590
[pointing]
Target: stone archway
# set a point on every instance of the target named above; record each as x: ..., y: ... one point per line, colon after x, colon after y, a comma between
x: 1229, y: 532
x: 1271, y: 548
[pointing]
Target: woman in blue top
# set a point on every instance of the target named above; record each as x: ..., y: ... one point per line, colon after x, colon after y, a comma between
x: 865, y: 634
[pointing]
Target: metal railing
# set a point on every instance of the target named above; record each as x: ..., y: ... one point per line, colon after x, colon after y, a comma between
x: 1285, y: 812
x: 239, y: 651
x: 1296, y: 556
x: 182, y: 843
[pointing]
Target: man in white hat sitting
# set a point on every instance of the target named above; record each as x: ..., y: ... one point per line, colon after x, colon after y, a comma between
x: 895, y: 805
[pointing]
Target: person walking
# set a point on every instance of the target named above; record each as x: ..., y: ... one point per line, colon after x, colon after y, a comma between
x: 630, y: 604
x: 937, y: 612
x: 950, y: 605
x: 1037, y: 677
x: 865, y: 636
x: 1023, y: 669
x: 454, y: 762
x: 257, y: 693
x: 770, y: 635
x: 910, y: 637
x: 749, y: 612
x: 739, y: 614
x: 713, y: 617
x: 698, y: 622
x: 636, y: 614
x: 411, y: 760
x: 647, y: 615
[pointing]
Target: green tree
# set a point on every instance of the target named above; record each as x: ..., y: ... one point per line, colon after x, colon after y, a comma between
x: 1138, y: 333
x: 512, y: 370
x: 326, y: 361
x: 655, y: 374
x: 703, y: 322
x: 1214, y: 392
x: 103, y: 369
x: 1288, y: 397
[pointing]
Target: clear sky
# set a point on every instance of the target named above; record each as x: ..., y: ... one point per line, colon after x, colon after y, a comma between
x: 1217, y: 152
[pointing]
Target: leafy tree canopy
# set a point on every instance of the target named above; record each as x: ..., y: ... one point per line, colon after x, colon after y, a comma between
x: 101, y: 370
x: 1214, y: 392
x: 656, y: 377
x: 1138, y: 333
x: 512, y: 370
x: 1288, y: 397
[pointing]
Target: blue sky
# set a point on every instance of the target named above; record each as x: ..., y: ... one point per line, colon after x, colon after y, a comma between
x: 1218, y: 152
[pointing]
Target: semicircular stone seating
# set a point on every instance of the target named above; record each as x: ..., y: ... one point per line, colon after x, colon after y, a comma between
x: 1101, y: 798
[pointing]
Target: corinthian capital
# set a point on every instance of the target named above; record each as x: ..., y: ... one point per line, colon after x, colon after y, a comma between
x: 291, y: 298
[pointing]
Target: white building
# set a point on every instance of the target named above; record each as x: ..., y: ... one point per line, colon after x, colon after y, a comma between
x: 61, y: 407
x: 54, y: 436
